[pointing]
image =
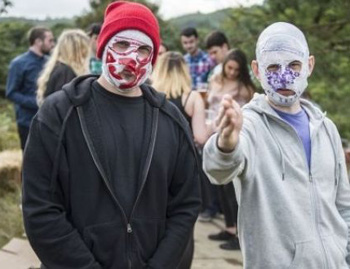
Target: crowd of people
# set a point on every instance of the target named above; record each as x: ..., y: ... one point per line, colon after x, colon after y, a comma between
x: 122, y: 138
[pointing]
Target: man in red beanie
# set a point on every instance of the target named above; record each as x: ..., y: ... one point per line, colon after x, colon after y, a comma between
x: 110, y: 175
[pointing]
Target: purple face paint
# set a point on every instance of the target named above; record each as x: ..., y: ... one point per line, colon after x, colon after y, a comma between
x: 281, y: 80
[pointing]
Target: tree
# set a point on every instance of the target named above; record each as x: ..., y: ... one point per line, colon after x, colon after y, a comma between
x: 13, y: 41
x: 4, y: 4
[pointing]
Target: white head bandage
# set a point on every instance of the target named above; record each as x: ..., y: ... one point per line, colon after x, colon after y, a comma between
x: 280, y: 46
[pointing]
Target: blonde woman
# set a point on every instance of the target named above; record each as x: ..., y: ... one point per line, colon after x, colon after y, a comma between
x: 171, y: 76
x: 70, y: 58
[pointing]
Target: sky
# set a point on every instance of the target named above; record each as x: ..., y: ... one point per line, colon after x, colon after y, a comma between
x: 41, y: 9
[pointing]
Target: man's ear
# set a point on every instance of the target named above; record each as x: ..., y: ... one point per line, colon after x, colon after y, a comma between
x: 38, y: 41
x: 225, y: 46
x: 311, y: 63
x: 255, y: 69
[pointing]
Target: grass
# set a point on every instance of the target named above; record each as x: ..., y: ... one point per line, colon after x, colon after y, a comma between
x: 8, y: 129
x: 11, y: 223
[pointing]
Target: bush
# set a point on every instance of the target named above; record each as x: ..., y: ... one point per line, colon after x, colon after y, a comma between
x: 8, y: 131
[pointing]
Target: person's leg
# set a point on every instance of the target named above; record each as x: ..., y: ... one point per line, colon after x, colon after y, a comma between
x: 23, y: 132
x: 209, y: 196
x: 229, y: 207
x: 230, y: 196
x: 228, y: 204
x: 229, y: 199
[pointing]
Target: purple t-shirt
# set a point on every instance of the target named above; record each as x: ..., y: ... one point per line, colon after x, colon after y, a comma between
x: 300, y: 122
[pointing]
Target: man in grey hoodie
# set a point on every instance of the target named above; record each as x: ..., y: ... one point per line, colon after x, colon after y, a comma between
x: 292, y: 190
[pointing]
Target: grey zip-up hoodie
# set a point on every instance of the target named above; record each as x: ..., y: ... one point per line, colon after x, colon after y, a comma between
x: 290, y: 216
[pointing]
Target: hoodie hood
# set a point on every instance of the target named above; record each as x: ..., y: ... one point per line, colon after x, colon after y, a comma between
x: 260, y: 105
x: 79, y: 91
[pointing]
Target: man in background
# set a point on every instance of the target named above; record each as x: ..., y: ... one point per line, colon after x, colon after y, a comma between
x: 22, y: 78
x: 198, y: 61
x: 217, y: 46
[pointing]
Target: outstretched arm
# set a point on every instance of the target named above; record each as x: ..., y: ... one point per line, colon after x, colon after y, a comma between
x: 227, y: 152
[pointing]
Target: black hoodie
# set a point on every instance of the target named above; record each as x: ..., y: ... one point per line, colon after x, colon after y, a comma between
x: 72, y: 217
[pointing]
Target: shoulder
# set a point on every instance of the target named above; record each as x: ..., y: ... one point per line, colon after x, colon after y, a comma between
x: 54, y: 110
x: 205, y: 57
x: 217, y: 69
x: 194, y: 95
x: 63, y: 68
x: 330, y: 125
x: 19, y: 60
x: 215, y: 80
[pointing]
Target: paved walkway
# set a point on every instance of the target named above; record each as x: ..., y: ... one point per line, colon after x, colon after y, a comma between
x: 17, y: 254
x: 208, y: 255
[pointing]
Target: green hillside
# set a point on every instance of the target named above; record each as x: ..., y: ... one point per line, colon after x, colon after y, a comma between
x: 199, y: 20
x: 46, y: 22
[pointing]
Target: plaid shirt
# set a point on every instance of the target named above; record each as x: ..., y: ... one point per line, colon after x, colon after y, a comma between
x: 200, y: 66
x: 95, y: 66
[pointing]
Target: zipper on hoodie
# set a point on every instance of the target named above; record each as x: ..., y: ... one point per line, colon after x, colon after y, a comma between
x: 148, y: 160
x: 154, y: 130
x: 314, y: 200
x: 104, y: 177
x: 313, y: 186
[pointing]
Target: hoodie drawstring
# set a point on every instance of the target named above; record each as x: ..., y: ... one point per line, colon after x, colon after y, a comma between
x: 334, y: 153
x: 278, y: 145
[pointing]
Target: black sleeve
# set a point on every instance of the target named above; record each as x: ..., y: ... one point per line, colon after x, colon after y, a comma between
x: 183, y: 208
x: 53, y: 238
x: 60, y: 76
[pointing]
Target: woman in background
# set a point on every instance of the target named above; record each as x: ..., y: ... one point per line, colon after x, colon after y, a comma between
x: 234, y: 80
x: 70, y: 58
x: 171, y: 76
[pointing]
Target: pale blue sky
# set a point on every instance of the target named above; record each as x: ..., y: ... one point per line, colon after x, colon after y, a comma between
x: 67, y: 8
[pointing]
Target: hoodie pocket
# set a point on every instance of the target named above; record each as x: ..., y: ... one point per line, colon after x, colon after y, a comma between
x: 147, y: 234
x: 107, y: 242
x: 298, y: 256
x: 336, y: 254
x: 306, y: 255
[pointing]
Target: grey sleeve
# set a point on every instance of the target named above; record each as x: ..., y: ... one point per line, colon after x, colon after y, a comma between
x: 343, y: 191
x: 221, y: 167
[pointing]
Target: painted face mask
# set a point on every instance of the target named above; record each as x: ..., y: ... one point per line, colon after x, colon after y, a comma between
x: 281, y: 71
x: 127, y: 59
x: 282, y: 54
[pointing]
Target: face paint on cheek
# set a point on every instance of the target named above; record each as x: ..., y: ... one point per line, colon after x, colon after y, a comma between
x: 284, y: 78
x: 112, y: 65
x: 138, y: 70
x: 126, y: 71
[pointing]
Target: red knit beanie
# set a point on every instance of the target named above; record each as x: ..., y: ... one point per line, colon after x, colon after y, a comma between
x: 120, y: 16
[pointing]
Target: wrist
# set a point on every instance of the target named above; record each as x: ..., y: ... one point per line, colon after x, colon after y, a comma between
x: 225, y: 147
